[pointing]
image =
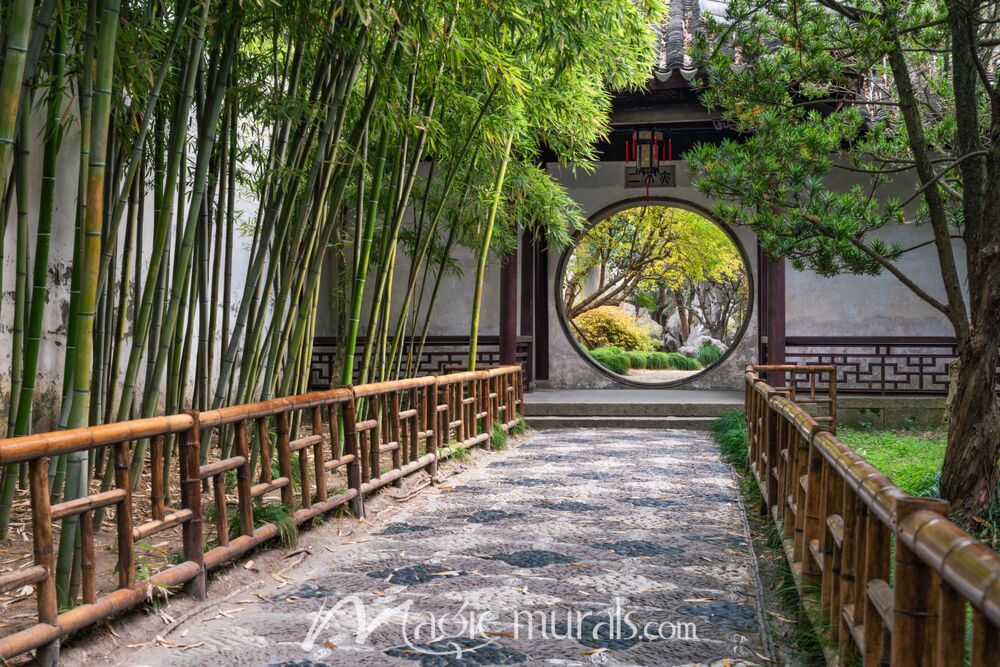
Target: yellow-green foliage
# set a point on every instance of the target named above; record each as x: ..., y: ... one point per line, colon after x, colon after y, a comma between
x: 610, y: 326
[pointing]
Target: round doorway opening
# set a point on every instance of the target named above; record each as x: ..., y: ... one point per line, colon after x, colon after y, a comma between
x: 654, y: 294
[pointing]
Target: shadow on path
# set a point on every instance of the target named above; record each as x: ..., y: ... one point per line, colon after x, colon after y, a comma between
x: 578, y: 547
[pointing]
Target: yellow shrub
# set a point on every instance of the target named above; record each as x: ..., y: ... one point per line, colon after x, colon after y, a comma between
x: 610, y: 326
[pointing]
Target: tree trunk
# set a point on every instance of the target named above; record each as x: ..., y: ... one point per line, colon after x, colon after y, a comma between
x: 970, y: 472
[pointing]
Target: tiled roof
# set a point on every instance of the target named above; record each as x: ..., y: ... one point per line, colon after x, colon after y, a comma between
x: 674, y: 35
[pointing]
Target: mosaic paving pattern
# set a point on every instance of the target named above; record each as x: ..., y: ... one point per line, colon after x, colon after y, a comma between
x: 579, y: 547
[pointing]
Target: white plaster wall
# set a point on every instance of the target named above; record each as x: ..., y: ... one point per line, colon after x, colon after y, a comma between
x: 848, y: 305
x: 48, y: 388
x: 451, y: 316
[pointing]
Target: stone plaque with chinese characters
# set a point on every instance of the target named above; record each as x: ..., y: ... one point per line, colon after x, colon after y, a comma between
x: 664, y: 177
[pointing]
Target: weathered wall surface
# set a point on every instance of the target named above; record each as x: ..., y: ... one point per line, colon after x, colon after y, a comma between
x: 48, y: 387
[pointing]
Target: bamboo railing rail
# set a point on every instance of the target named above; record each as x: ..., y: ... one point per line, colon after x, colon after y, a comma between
x: 372, y: 435
x: 898, y: 582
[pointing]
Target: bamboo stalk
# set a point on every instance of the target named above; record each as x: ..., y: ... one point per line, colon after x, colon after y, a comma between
x: 76, y: 470
x: 484, y: 253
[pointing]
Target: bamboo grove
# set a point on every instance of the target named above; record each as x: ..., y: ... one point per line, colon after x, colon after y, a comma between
x: 239, y: 166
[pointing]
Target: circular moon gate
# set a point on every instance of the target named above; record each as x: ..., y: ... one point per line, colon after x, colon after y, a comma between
x: 654, y: 293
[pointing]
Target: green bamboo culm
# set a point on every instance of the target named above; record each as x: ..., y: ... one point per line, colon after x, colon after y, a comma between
x: 364, y: 260
x: 53, y: 137
x: 76, y: 466
x: 484, y: 251
x: 17, y: 30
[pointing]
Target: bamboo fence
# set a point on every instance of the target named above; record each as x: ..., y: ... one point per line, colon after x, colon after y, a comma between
x: 440, y: 413
x: 898, y: 583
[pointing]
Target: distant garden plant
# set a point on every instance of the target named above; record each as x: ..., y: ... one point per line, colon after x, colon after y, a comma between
x: 621, y: 361
x: 709, y: 354
x: 611, y: 326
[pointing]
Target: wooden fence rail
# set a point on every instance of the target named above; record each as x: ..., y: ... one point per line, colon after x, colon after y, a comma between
x: 897, y: 582
x: 365, y: 437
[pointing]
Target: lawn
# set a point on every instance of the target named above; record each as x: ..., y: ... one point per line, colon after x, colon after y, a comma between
x: 911, y: 459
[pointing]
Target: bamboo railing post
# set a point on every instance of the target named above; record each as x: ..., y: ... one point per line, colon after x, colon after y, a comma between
x: 414, y: 424
x: 374, y: 439
x: 876, y: 568
x: 853, y: 513
x: 491, y: 414
x: 812, y: 510
x: 799, y: 494
x: 244, y: 477
x: 985, y: 641
x: 284, y: 458
x: 832, y: 384
x: 835, y: 509
x: 510, y: 394
x: 87, y: 574
x: 193, y: 535
x: 396, y: 433
x: 123, y: 518
x: 950, y: 640
x: 354, y: 466
x: 157, y: 477
x: 304, y: 483
x: 264, y: 446
x: 772, y: 448
x: 221, y: 511
x: 483, y: 408
x: 915, y: 590
x: 41, y: 530
x: 433, y: 419
x: 319, y: 462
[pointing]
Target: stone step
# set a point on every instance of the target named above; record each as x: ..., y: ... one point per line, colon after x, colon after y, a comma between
x: 698, y: 423
x: 631, y: 403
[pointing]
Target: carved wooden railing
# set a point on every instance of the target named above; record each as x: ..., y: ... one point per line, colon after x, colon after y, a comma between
x: 895, y: 576
x: 344, y: 443
x: 438, y: 355
x: 882, y: 365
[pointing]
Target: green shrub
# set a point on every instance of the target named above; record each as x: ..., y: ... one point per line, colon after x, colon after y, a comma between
x: 613, y: 361
x: 681, y: 362
x: 610, y: 326
x: 708, y: 354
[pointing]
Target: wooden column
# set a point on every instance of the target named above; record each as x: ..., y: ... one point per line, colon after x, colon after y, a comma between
x: 527, y: 327
x: 540, y: 343
x: 508, y: 309
x: 773, y: 304
x: 528, y: 244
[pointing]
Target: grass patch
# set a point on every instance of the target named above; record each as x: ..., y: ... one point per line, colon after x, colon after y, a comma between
x: 730, y: 432
x: 275, y: 513
x: 498, y: 436
x: 616, y: 362
x: 682, y: 362
x: 637, y: 358
x: 621, y: 361
x: 911, y: 460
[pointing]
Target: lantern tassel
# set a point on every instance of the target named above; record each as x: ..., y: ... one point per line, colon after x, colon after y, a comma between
x: 670, y: 149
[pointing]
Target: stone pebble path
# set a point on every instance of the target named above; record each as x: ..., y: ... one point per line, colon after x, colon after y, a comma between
x: 577, y: 547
